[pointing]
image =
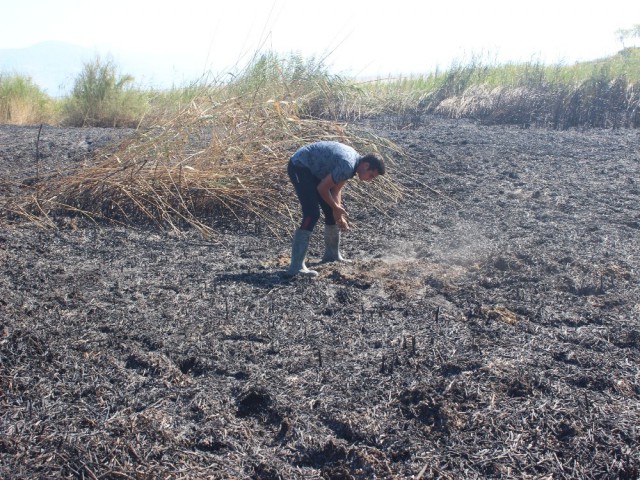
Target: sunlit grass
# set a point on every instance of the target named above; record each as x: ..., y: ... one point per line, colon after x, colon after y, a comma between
x: 603, y: 93
x: 103, y: 97
x: 22, y: 102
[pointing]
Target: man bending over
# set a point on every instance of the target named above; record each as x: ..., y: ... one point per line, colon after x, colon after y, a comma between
x: 318, y: 172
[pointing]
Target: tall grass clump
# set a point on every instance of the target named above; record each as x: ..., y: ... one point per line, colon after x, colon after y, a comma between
x: 599, y: 94
x: 304, y: 85
x: 221, y: 158
x: 164, y: 105
x: 603, y: 94
x: 102, y: 97
x: 22, y: 102
x: 406, y: 98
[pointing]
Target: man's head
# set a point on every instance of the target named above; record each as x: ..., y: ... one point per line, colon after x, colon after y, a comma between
x: 371, y: 165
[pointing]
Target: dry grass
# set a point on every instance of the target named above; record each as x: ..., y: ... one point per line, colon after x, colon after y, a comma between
x: 604, y: 103
x: 214, y: 161
x: 22, y: 112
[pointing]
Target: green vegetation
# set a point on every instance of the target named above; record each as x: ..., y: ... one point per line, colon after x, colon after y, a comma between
x: 602, y: 93
x: 102, y: 97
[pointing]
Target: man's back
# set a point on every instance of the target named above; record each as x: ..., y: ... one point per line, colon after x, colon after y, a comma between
x: 327, y: 157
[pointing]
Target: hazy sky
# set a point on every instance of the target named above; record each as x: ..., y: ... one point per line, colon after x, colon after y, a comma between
x: 366, y: 38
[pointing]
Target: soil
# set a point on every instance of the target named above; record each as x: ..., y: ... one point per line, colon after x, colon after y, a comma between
x: 488, y: 326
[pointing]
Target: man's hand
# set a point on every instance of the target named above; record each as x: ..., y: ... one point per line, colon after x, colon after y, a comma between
x: 338, y: 211
x: 342, y: 224
x: 340, y: 215
x: 332, y: 194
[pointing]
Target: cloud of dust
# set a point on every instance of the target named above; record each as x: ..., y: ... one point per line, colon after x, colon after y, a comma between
x: 462, y: 243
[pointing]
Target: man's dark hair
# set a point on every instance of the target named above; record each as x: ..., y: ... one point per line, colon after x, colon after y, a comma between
x: 375, y: 161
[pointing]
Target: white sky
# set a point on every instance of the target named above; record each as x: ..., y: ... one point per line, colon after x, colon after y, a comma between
x: 367, y: 38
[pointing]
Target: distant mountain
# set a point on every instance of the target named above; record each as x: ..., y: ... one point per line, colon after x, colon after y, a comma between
x: 55, y: 65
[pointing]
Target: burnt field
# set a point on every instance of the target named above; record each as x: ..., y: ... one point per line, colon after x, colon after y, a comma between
x: 489, y: 326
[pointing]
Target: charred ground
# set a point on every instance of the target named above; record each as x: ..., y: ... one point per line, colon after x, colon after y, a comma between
x: 489, y: 326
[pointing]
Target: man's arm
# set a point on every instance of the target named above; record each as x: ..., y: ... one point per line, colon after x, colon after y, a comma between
x: 336, y: 191
x: 331, y: 193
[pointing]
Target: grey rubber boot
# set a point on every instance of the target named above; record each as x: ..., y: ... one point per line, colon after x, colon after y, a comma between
x: 298, y: 253
x: 332, y: 245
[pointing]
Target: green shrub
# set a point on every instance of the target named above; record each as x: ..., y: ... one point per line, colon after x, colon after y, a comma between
x: 101, y: 97
x: 297, y: 85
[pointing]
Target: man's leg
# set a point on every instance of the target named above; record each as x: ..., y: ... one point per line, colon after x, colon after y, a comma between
x: 326, y: 209
x: 331, y: 235
x: 305, y: 185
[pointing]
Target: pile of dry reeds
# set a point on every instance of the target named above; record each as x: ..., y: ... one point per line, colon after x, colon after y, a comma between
x: 215, y: 161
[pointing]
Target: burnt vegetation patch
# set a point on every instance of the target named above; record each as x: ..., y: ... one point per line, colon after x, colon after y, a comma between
x: 488, y: 326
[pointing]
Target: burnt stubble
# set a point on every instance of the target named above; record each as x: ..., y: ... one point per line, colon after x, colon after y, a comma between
x: 489, y: 326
